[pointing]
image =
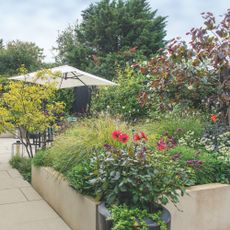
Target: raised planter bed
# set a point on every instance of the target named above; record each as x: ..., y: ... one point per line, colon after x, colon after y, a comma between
x: 207, y: 207
x: 78, y: 211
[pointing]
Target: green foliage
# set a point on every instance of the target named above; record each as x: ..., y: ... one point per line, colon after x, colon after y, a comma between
x: 41, y: 159
x: 122, y: 100
x: 77, y: 178
x: 23, y: 106
x: 132, y: 178
x: 79, y: 142
x: 216, y: 138
x: 196, y: 75
x: 124, y: 218
x: 130, y: 175
x: 134, y: 173
x: 108, y: 28
x: 108, y: 66
x: 3, y: 79
x: 173, y: 123
x: 17, y: 53
x: 211, y: 168
x: 23, y: 165
x: 1, y: 43
x: 66, y: 96
x: 70, y: 50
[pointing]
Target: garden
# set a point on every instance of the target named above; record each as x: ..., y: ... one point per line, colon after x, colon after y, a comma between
x: 161, y: 130
x: 135, y: 172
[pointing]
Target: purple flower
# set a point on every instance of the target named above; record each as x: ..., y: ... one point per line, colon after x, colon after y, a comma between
x: 176, y: 156
x: 172, y: 142
x: 194, y: 163
x: 107, y: 147
x: 110, y: 148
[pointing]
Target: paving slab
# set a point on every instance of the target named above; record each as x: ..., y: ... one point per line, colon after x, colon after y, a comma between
x: 4, y: 174
x: 49, y: 224
x: 4, y: 166
x: 21, y: 207
x: 10, y: 182
x: 26, y: 211
x: 14, y: 173
x: 30, y: 193
x: 8, y: 196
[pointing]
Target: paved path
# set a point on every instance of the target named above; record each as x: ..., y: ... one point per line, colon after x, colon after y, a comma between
x: 21, y: 207
x: 5, y: 149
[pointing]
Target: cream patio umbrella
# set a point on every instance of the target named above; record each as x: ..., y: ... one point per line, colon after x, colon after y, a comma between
x: 67, y: 77
x: 70, y: 77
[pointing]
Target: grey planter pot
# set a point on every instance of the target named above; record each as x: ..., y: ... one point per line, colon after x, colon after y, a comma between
x: 105, y: 224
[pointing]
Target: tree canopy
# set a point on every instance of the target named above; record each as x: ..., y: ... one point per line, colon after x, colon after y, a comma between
x: 109, y: 29
x: 194, y: 74
x: 17, y: 53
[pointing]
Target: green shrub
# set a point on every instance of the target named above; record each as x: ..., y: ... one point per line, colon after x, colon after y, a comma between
x: 132, y: 174
x: 122, y: 100
x: 23, y: 165
x: 72, y: 150
x: 172, y: 123
x: 124, y: 218
x: 217, y: 138
x: 79, y: 178
x: 66, y: 96
x: 42, y: 158
x: 207, y: 167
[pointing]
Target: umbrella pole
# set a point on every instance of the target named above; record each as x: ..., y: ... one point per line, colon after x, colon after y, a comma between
x: 90, y: 98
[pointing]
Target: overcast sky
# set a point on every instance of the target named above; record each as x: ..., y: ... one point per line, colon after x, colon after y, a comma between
x: 40, y: 20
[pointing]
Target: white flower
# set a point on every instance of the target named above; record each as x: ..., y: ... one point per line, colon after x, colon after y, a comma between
x: 190, y: 87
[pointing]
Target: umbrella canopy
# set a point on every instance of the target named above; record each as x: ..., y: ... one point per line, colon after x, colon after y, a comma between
x: 70, y: 77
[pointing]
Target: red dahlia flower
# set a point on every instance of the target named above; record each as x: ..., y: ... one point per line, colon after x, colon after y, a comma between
x: 213, y: 118
x: 136, y: 137
x: 139, y: 136
x: 123, y: 137
x: 143, y: 135
x: 116, y: 134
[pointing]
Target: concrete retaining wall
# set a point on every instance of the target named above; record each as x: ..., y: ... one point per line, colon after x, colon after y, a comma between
x: 78, y: 211
x: 207, y: 207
